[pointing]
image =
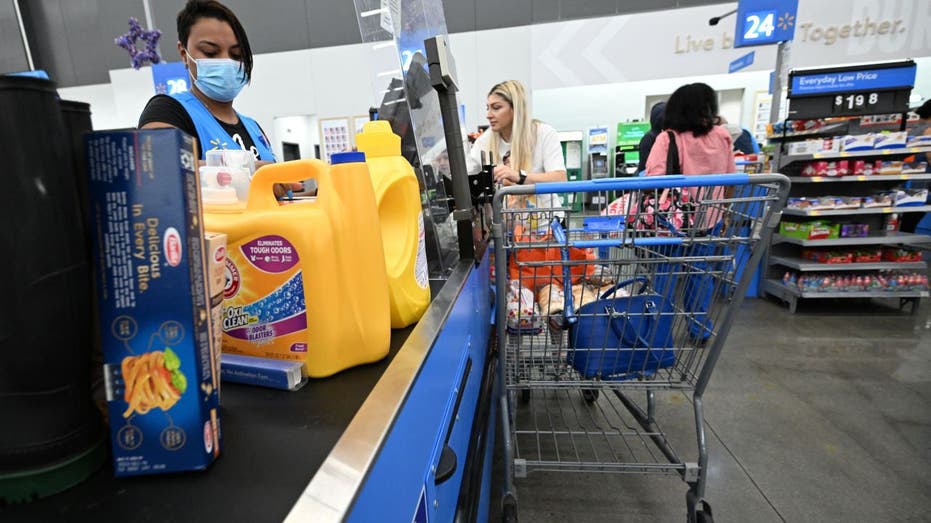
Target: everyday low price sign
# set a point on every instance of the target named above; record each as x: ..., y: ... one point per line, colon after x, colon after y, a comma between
x: 845, y: 81
x: 882, y: 88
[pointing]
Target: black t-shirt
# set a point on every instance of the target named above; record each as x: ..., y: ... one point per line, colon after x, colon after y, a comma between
x: 165, y: 109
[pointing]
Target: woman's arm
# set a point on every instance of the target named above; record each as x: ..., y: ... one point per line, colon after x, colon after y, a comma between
x: 656, y: 163
x: 644, y: 148
x: 729, y: 148
x: 280, y: 189
x: 554, y: 168
x: 507, y: 176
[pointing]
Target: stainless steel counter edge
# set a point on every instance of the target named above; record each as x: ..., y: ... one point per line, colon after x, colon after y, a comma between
x: 332, y: 490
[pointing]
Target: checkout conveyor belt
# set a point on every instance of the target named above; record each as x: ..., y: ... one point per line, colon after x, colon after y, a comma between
x: 273, y: 443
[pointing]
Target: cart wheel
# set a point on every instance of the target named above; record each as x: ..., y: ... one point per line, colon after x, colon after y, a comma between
x: 509, y: 509
x: 524, y: 395
x: 590, y: 395
x: 704, y: 515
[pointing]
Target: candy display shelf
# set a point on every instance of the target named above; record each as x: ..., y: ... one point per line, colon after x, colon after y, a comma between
x: 787, y: 159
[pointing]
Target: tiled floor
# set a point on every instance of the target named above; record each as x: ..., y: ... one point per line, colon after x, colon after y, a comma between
x: 822, y: 415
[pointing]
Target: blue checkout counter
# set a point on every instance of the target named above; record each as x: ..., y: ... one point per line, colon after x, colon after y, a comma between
x: 407, y: 439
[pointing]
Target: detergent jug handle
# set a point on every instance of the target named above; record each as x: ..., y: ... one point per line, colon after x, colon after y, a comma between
x: 261, y: 193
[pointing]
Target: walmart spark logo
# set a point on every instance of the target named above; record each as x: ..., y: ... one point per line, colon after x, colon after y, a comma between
x: 785, y: 21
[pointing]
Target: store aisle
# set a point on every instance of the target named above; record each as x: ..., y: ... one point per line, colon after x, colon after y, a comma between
x: 824, y: 415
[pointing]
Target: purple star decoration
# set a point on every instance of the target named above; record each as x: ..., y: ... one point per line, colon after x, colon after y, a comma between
x: 140, y: 57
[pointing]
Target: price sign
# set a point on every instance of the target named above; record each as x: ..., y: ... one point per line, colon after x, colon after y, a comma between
x: 850, y: 91
x: 856, y: 102
x: 764, y: 22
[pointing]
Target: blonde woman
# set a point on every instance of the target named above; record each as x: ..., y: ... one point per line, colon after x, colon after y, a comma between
x: 525, y: 151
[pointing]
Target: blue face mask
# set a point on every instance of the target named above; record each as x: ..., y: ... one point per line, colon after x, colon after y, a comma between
x: 221, y: 79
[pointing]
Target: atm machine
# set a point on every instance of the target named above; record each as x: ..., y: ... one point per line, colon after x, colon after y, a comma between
x: 627, y: 148
x: 598, y: 168
x: 598, y: 162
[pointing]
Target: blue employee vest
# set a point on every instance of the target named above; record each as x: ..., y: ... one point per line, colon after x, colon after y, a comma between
x: 212, y: 135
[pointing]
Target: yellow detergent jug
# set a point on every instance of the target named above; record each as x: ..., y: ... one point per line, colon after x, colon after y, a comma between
x: 397, y: 194
x: 300, y: 284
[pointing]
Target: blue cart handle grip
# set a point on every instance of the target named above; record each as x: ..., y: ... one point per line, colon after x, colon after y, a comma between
x: 644, y: 182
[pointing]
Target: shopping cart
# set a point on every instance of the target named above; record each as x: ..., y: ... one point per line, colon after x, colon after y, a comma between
x: 638, y: 298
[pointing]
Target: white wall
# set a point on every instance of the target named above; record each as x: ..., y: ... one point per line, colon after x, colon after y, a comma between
x: 571, y: 108
x: 103, y: 107
x: 484, y: 58
x: 300, y: 129
x: 582, y: 73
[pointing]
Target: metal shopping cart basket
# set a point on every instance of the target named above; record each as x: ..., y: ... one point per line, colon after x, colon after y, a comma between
x: 602, y: 328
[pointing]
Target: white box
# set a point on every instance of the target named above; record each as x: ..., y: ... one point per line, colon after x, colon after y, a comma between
x: 215, y: 245
x: 895, y: 140
x: 858, y: 142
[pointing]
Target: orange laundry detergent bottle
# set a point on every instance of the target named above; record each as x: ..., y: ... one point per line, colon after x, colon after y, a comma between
x: 300, y: 284
x: 397, y: 194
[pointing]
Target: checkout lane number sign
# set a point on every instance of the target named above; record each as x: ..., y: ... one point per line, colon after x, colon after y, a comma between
x: 170, y: 78
x: 763, y: 22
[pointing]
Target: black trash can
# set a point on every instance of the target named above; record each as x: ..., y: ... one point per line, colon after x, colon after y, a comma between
x: 77, y: 119
x: 52, y: 436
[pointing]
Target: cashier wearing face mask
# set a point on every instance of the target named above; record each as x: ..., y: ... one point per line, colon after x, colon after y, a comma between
x: 216, y: 52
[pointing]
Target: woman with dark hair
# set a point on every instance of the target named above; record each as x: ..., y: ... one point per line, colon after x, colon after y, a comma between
x: 215, y: 50
x: 691, y: 119
x: 704, y: 147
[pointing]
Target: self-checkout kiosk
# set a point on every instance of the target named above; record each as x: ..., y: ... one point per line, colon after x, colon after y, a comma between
x: 627, y: 147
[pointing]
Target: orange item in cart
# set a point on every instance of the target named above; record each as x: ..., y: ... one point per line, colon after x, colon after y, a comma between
x: 535, y: 277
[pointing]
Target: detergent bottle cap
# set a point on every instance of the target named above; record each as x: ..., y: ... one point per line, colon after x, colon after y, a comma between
x: 347, y: 157
x: 376, y: 140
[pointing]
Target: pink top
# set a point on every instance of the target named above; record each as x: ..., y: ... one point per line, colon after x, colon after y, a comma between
x: 708, y: 154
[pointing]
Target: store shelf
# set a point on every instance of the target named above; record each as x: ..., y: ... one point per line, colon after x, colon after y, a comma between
x: 810, y: 266
x: 787, y: 159
x: 861, y: 178
x: 778, y: 288
x: 882, y: 238
x: 852, y: 212
x: 785, y: 252
x: 828, y: 131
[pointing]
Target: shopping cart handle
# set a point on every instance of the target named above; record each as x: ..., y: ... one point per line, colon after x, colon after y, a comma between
x: 646, y: 182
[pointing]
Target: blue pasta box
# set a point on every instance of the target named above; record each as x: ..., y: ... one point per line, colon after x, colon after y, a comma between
x: 150, y: 266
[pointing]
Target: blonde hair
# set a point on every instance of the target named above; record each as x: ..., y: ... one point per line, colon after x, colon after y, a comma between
x: 523, y: 128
